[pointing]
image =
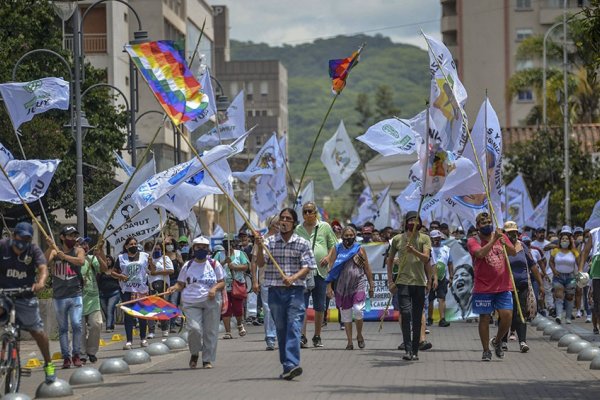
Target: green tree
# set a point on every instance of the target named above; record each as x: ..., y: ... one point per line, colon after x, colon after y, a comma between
x: 31, y: 24
x: 540, y: 161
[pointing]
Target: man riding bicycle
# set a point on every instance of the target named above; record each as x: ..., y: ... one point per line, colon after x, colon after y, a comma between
x: 22, y: 264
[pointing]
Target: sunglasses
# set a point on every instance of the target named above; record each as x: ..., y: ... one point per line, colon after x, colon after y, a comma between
x: 308, y: 211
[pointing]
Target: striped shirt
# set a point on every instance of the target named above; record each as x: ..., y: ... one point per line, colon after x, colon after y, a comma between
x: 291, y: 256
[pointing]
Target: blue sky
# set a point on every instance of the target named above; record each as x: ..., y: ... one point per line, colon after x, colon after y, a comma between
x: 293, y: 22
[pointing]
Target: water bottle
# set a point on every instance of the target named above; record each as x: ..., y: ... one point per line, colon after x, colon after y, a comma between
x: 368, y: 304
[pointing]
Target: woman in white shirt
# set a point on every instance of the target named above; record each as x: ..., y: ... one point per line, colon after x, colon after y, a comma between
x: 563, y: 262
x: 159, y: 282
x: 131, y: 269
x: 201, y: 280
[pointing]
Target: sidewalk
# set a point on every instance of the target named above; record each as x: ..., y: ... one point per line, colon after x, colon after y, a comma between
x: 451, y: 370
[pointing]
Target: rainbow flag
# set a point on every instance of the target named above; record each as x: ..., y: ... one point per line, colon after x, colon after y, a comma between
x: 340, y: 68
x: 152, y: 307
x: 169, y: 78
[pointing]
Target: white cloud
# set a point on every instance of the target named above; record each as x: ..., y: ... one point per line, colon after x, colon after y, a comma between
x: 293, y: 22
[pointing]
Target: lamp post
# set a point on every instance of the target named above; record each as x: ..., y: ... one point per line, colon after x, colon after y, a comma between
x: 566, y: 120
x: 544, y: 67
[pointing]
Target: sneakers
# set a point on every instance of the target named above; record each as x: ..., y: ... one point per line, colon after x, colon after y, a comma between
x: 512, y: 336
x: 150, y: 335
x: 50, y: 373
x: 92, y: 358
x: 303, y: 342
x: 66, y: 363
x: 317, y: 341
x: 270, y: 346
x: 429, y: 322
x: 568, y: 321
x: 427, y: 331
x: 407, y: 357
x: 497, y: 348
x: 402, y: 346
x: 291, y: 374
x: 486, y: 356
x: 207, y: 365
x: 524, y: 348
x: 504, y: 346
x: 165, y: 333
x: 443, y: 323
x: 127, y: 346
x: 144, y: 343
x: 596, y: 331
x: 558, y: 320
x: 76, y: 361
x: 588, y: 319
x: 578, y: 315
x: 425, y: 345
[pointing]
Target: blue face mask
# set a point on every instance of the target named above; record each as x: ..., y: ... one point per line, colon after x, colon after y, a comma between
x: 200, y: 254
x: 21, y: 245
x: 157, y: 254
x: 486, y: 230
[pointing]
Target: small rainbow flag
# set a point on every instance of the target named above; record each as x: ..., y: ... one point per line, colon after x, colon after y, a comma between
x: 169, y: 78
x: 152, y: 307
x: 340, y: 68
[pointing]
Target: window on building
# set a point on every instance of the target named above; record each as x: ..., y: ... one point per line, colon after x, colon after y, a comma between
x: 524, y: 64
x: 259, y: 141
x: 264, y: 88
x: 125, y: 17
x: 234, y: 89
x: 263, y: 113
x: 525, y: 95
x: 249, y: 87
x: 523, y: 34
x: 250, y: 113
x: 523, y: 4
x: 249, y: 97
x: 126, y: 81
x: 172, y: 33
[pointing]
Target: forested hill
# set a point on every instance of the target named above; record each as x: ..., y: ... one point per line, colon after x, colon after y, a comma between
x: 403, y: 68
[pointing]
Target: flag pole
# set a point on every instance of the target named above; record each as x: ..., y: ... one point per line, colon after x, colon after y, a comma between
x: 323, y: 123
x: 483, y: 181
x: 235, y: 205
x: 143, y: 298
x: 287, y: 169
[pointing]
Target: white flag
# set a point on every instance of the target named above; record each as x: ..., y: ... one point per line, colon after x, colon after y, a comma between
x: 447, y: 96
x: 539, y: 217
x: 366, y: 208
x: 162, y: 183
x: 5, y: 155
x: 306, y: 195
x: 128, y: 220
x: 232, y: 124
x: 31, y: 178
x: 180, y: 200
x: 594, y: 221
x: 207, y: 89
x: 24, y: 100
x: 193, y: 225
x: 218, y: 232
x: 339, y: 157
x: 271, y: 190
x: 390, y: 136
x: 129, y: 169
x: 519, y: 206
x: 266, y: 161
x: 383, y: 216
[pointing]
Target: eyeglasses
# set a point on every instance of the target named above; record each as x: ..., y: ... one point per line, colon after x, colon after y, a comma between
x: 286, y: 219
x: 308, y: 211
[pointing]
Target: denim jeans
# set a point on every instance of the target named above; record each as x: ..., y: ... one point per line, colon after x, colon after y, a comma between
x: 67, y: 309
x: 287, y: 308
x: 108, y: 302
x: 129, y: 321
x: 269, y: 324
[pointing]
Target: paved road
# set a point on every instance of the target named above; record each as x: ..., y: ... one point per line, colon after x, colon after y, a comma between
x: 451, y: 370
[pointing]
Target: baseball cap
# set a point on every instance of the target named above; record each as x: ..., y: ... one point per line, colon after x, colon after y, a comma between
x: 24, y: 229
x: 183, y: 238
x: 335, y: 223
x: 86, y: 239
x: 67, y: 230
x: 482, y: 217
x: 219, y: 248
x: 367, y: 229
x: 525, y: 238
x: 566, y: 229
x: 435, y: 234
x: 201, y: 240
x: 577, y: 229
x: 511, y: 226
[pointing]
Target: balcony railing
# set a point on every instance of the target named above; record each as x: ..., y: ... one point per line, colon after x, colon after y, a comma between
x: 92, y: 42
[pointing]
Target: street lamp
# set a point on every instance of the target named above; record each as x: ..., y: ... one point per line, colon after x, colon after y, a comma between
x: 566, y: 120
x: 544, y: 67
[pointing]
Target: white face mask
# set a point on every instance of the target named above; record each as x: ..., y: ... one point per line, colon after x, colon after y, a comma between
x: 169, y: 247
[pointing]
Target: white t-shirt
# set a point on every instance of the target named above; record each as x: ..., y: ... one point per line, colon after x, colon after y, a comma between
x: 136, y: 271
x: 199, y: 278
x: 565, y: 263
x: 541, y: 245
x: 158, y: 264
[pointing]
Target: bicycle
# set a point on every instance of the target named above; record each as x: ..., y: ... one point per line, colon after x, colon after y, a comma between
x: 10, y: 361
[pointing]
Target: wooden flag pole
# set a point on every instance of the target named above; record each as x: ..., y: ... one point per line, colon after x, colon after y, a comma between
x: 143, y: 298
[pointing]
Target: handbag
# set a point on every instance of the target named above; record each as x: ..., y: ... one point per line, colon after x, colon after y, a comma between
x: 531, y: 302
x: 310, y: 277
x: 238, y: 290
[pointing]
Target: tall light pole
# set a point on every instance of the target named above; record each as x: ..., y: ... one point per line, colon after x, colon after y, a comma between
x: 566, y: 120
x: 544, y: 67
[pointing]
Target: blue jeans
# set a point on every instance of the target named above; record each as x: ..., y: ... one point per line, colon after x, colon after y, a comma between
x: 108, y: 302
x: 67, y: 309
x: 269, y: 324
x: 287, y: 308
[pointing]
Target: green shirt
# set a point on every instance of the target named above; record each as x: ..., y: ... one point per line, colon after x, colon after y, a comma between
x: 237, y: 257
x: 324, y: 241
x: 91, y: 294
x: 412, y: 272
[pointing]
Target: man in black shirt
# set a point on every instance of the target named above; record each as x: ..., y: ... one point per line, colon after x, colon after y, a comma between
x: 20, y: 260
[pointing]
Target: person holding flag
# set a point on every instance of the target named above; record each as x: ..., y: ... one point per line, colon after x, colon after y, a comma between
x: 493, y: 284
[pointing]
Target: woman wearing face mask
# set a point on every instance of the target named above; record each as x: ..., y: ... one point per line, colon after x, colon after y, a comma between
x: 351, y: 272
x: 563, y: 262
x: 173, y: 253
x: 201, y: 280
x: 521, y: 264
x: 131, y: 269
x: 161, y: 267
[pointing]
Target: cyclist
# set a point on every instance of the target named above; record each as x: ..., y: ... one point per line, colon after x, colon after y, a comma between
x: 20, y: 261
